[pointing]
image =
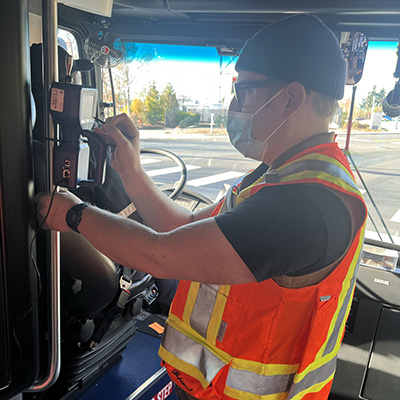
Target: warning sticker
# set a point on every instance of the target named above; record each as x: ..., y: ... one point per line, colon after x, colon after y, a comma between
x: 164, y: 392
x: 57, y: 100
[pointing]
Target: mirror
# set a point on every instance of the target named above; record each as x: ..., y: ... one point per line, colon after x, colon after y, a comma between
x: 354, y: 47
x: 391, y: 104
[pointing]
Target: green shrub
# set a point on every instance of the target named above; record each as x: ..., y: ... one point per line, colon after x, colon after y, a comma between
x: 187, y: 119
x: 357, y: 125
x: 220, y: 121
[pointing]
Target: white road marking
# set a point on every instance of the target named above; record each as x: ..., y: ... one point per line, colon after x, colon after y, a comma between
x: 214, y: 178
x: 149, y: 161
x: 396, y: 217
x: 385, y: 237
x: 170, y: 170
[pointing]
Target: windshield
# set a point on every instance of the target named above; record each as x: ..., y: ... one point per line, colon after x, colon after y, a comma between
x: 178, y: 96
x: 375, y: 142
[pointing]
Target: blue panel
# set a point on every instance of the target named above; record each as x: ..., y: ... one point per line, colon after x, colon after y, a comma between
x: 140, y: 361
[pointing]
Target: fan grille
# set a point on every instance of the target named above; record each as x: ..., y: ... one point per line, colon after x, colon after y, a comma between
x: 104, y: 48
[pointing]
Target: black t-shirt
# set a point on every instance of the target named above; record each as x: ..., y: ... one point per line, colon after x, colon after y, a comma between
x: 290, y: 230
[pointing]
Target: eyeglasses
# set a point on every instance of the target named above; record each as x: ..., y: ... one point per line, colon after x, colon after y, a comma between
x: 240, y: 89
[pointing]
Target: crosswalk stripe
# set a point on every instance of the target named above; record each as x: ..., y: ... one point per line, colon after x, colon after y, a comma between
x: 170, y: 170
x: 145, y: 161
x: 396, y: 217
x: 214, y: 178
x: 373, y: 235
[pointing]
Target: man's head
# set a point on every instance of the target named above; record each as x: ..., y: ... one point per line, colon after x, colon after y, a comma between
x: 299, y: 48
x: 301, y: 56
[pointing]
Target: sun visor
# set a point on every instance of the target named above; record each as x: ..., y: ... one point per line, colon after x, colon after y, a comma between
x: 100, y: 7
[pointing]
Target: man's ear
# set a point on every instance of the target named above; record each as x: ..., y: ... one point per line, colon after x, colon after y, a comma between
x: 297, y: 94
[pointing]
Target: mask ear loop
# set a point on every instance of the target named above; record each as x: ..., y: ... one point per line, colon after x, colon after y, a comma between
x: 277, y: 128
x: 272, y: 134
x: 268, y: 102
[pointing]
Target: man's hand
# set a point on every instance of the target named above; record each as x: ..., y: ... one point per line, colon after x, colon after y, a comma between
x: 125, y: 135
x: 56, y: 210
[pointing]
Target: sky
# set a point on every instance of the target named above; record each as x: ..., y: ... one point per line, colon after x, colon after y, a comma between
x: 206, y: 80
x: 194, y: 72
x: 198, y: 73
x: 380, y: 65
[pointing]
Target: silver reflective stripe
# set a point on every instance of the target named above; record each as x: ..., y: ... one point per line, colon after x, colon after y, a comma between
x: 342, y: 313
x: 317, y: 166
x: 315, y: 377
x: 324, y: 372
x: 261, y: 385
x: 203, y: 308
x: 191, y: 352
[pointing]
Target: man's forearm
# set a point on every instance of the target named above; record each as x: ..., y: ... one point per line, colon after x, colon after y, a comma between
x: 124, y: 241
x: 157, y: 210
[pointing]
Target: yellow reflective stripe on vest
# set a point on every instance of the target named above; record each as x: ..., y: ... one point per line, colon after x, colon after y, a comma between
x: 237, y: 394
x: 283, y: 383
x: 316, y: 157
x: 178, y: 325
x: 252, y: 381
x: 311, y: 166
x: 321, y: 371
x: 244, y: 385
x: 323, y: 176
x: 320, y: 377
x: 190, y: 301
x: 204, y: 308
x: 203, y: 362
x: 315, y: 166
x: 198, y: 361
x: 344, y: 303
x: 214, y: 325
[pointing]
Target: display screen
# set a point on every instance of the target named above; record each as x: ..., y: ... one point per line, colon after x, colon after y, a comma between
x: 87, y: 107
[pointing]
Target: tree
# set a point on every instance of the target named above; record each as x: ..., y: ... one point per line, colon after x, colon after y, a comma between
x: 170, y: 104
x: 136, y: 110
x: 153, y: 111
x: 124, y: 75
x: 374, y: 98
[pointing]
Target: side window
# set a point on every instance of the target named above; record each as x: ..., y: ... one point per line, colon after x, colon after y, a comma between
x: 67, y: 41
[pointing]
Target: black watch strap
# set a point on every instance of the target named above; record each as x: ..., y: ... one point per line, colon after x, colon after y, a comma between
x: 74, y: 216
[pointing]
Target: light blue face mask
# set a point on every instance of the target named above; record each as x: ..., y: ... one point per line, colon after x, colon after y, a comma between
x: 240, y: 128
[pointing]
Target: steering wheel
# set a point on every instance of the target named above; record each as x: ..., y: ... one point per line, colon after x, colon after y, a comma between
x: 180, y: 184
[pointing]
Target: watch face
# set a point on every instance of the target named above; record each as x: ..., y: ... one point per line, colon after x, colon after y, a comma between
x: 74, y: 216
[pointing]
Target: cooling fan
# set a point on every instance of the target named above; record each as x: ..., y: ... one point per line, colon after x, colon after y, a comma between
x: 104, y: 48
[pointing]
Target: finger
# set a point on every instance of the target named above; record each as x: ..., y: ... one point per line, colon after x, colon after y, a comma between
x: 115, y: 134
x: 121, y: 119
x: 37, y: 197
x: 42, y: 200
x: 124, y: 123
x: 105, y: 136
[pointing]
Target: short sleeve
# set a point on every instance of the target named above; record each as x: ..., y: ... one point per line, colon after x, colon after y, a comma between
x: 288, y: 230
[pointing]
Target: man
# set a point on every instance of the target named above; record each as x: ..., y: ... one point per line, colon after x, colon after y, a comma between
x: 267, y: 276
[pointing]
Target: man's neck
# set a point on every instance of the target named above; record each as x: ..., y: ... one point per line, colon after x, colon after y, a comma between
x: 315, y: 140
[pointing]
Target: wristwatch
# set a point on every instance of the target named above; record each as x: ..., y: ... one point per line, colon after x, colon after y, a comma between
x: 74, y: 216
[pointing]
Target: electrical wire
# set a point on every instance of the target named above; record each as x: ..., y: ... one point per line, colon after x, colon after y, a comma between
x: 39, y: 291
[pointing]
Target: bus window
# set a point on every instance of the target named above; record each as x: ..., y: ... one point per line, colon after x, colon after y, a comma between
x: 375, y: 141
x: 68, y: 42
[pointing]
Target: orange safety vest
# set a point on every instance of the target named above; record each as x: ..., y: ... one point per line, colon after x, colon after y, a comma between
x: 264, y: 340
